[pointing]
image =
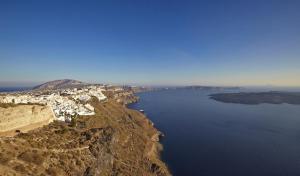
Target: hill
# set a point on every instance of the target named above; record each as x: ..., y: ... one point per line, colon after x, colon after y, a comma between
x: 115, y: 141
x: 210, y: 88
x: 59, y: 84
x: 258, y: 97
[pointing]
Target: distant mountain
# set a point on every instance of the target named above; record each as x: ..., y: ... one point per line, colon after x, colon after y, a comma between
x: 210, y: 88
x: 59, y: 84
x: 254, y: 98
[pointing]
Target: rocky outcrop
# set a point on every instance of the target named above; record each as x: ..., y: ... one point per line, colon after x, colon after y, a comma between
x: 123, y: 97
x: 24, y: 118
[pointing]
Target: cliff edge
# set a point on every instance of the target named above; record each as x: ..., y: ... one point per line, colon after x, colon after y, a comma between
x: 114, y: 141
x: 23, y: 118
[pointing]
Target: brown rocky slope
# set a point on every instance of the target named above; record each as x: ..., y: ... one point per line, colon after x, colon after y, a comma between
x: 115, y: 141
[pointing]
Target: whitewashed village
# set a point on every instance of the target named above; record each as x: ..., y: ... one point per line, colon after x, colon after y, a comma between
x: 65, y: 104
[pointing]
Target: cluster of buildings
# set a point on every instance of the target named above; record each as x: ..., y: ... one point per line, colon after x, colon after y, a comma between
x: 66, y: 104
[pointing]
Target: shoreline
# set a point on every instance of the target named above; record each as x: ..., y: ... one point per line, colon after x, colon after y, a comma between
x: 156, y: 137
x: 115, y: 140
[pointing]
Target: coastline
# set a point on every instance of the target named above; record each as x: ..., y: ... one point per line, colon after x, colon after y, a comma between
x: 157, y: 148
x: 116, y: 140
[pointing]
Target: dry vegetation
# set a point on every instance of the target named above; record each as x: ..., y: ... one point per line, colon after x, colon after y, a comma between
x: 7, y: 105
x: 116, y: 141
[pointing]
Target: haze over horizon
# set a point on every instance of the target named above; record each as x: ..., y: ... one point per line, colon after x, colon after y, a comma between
x: 232, y: 43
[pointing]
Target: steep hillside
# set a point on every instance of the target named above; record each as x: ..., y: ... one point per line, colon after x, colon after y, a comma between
x: 115, y: 141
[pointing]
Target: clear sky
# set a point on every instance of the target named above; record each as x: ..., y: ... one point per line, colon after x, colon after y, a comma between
x: 153, y: 42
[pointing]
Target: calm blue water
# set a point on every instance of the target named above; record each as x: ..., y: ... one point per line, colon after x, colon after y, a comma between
x: 13, y: 89
x: 209, y: 138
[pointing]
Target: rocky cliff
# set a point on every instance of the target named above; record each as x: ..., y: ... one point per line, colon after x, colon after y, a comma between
x: 115, y: 141
x: 23, y: 118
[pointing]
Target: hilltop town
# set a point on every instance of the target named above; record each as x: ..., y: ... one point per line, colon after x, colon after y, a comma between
x: 66, y: 103
x: 70, y: 102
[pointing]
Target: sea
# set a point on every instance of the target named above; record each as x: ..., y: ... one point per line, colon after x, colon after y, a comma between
x: 14, y: 89
x: 204, y: 137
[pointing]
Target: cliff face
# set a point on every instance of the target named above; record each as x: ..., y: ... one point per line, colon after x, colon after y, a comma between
x: 24, y: 118
x: 124, y: 97
x: 115, y: 141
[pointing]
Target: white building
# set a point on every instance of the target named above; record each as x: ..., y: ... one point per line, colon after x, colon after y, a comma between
x: 64, y: 107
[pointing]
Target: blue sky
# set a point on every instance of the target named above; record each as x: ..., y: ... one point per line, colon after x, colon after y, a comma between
x: 151, y: 42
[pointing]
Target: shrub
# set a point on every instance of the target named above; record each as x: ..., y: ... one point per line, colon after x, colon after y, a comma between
x: 73, y: 122
x: 31, y: 157
x: 20, y: 168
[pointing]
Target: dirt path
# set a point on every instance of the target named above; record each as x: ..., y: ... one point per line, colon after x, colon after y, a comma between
x: 61, y: 150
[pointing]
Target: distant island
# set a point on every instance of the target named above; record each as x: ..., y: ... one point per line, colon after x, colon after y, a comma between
x: 254, y: 98
x: 197, y: 87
